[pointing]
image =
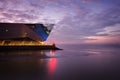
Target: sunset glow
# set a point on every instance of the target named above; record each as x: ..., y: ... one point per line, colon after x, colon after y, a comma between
x: 102, y: 39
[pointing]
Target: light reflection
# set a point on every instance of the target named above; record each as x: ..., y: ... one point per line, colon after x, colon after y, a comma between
x: 52, y: 52
x: 41, y: 61
x: 52, y: 65
x: 41, y: 52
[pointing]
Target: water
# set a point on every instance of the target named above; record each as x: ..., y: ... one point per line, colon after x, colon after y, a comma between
x: 75, y: 62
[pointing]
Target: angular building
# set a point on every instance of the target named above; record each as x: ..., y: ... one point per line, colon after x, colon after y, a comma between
x: 18, y: 33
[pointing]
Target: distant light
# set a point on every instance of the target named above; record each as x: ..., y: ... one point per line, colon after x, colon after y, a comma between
x: 42, y: 42
x: 25, y: 33
x: 6, y: 30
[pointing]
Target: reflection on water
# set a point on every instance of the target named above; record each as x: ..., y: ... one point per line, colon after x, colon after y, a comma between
x: 52, y: 65
x: 21, y: 55
x: 52, y: 52
x: 27, y: 65
x: 80, y: 63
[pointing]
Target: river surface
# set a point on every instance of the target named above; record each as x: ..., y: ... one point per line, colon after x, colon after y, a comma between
x: 74, y: 62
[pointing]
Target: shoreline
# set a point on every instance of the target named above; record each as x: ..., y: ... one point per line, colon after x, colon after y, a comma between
x: 33, y: 47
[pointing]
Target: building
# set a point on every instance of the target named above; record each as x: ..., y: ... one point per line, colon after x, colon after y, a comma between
x: 24, y: 34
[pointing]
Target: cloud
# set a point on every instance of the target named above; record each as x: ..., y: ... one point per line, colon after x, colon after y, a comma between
x: 88, y: 23
x: 74, y: 19
x: 102, y: 39
x: 31, y: 11
x: 111, y: 30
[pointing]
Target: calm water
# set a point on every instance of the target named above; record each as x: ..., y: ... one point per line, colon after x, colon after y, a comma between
x: 75, y: 62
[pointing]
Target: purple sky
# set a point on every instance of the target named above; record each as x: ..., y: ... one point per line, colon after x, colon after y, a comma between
x: 76, y: 21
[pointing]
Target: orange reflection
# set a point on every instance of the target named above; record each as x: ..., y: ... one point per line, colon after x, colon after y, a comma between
x: 52, y: 65
x: 41, y: 52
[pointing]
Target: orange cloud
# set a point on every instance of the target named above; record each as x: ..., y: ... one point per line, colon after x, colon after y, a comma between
x: 102, y: 39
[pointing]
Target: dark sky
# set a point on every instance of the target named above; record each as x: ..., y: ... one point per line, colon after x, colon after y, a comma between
x: 76, y: 21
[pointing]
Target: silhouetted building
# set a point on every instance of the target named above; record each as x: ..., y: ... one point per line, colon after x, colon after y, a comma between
x: 18, y: 31
x: 24, y: 32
